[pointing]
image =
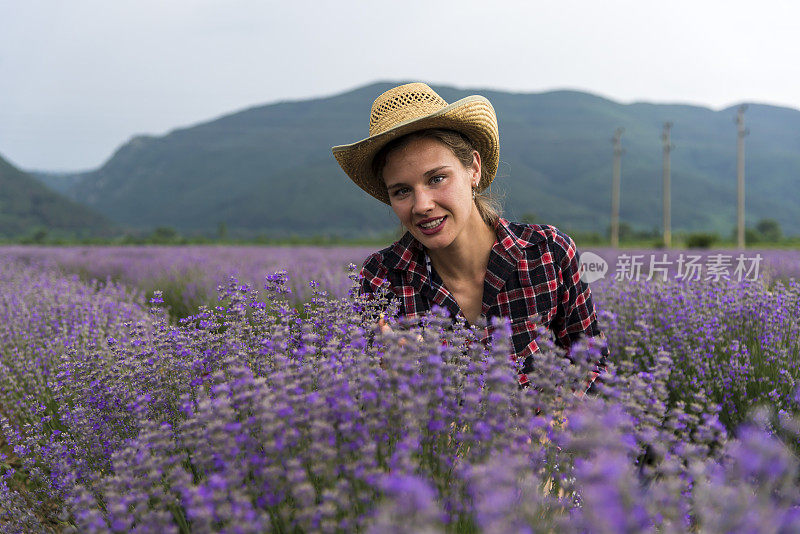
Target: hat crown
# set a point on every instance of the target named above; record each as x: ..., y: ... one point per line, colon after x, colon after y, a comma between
x: 403, y: 103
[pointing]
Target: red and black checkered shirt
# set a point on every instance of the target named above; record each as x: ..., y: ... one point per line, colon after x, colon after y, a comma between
x: 533, y: 275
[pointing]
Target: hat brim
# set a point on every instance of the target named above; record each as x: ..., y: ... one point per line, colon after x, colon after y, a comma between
x: 473, y: 116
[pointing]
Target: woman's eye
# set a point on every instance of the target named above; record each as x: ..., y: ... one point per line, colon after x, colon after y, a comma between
x: 438, y: 178
x: 401, y: 192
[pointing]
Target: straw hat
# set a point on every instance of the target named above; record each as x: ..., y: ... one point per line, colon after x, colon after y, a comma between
x: 413, y: 107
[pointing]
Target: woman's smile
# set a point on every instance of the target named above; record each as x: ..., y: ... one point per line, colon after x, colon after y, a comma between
x: 432, y: 225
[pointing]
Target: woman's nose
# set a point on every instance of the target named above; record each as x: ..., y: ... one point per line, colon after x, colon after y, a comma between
x: 423, y: 201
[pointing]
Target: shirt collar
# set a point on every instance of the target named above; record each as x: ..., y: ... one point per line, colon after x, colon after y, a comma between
x: 409, y: 256
x: 403, y: 251
x: 506, y: 253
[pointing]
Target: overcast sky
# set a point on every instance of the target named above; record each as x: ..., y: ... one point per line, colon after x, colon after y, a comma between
x: 79, y: 77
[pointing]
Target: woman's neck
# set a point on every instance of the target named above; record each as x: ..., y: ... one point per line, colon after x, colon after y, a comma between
x: 468, y: 256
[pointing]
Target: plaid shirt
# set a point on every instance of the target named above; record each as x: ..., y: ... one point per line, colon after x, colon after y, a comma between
x: 533, y: 272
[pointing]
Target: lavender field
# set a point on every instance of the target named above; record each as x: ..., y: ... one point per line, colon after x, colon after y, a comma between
x: 188, y: 276
x: 269, y: 404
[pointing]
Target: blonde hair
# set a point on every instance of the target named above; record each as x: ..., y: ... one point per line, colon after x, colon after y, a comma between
x: 487, y: 205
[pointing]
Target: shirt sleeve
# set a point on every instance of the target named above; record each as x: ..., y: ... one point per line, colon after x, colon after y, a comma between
x: 374, y: 277
x: 373, y: 274
x: 576, y: 315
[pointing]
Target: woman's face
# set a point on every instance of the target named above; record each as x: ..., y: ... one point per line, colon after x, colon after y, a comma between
x: 430, y: 191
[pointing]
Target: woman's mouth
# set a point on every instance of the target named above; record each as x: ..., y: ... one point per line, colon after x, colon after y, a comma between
x: 431, y: 226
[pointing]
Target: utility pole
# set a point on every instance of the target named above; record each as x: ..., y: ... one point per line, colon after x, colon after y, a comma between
x: 615, y: 188
x: 741, y: 132
x: 667, y: 201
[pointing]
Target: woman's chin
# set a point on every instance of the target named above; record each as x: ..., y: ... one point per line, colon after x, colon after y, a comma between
x: 434, y: 242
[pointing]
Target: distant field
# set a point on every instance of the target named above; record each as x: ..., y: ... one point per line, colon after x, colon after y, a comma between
x: 189, y: 275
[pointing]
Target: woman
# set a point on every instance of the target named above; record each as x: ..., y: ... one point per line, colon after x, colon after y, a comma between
x: 431, y: 161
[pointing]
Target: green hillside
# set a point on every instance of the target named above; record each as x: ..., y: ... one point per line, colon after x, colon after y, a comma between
x: 269, y: 169
x: 27, y: 207
x: 60, y: 182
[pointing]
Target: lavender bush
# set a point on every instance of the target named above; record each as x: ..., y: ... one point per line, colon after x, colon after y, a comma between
x: 738, y: 342
x: 253, y: 416
x: 45, y: 319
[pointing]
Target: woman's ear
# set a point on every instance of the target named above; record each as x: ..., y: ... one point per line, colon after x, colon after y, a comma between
x: 476, y: 166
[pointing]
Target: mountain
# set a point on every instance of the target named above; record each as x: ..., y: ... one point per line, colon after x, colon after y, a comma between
x: 269, y: 169
x: 60, y: 182
x: 27, y: 206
